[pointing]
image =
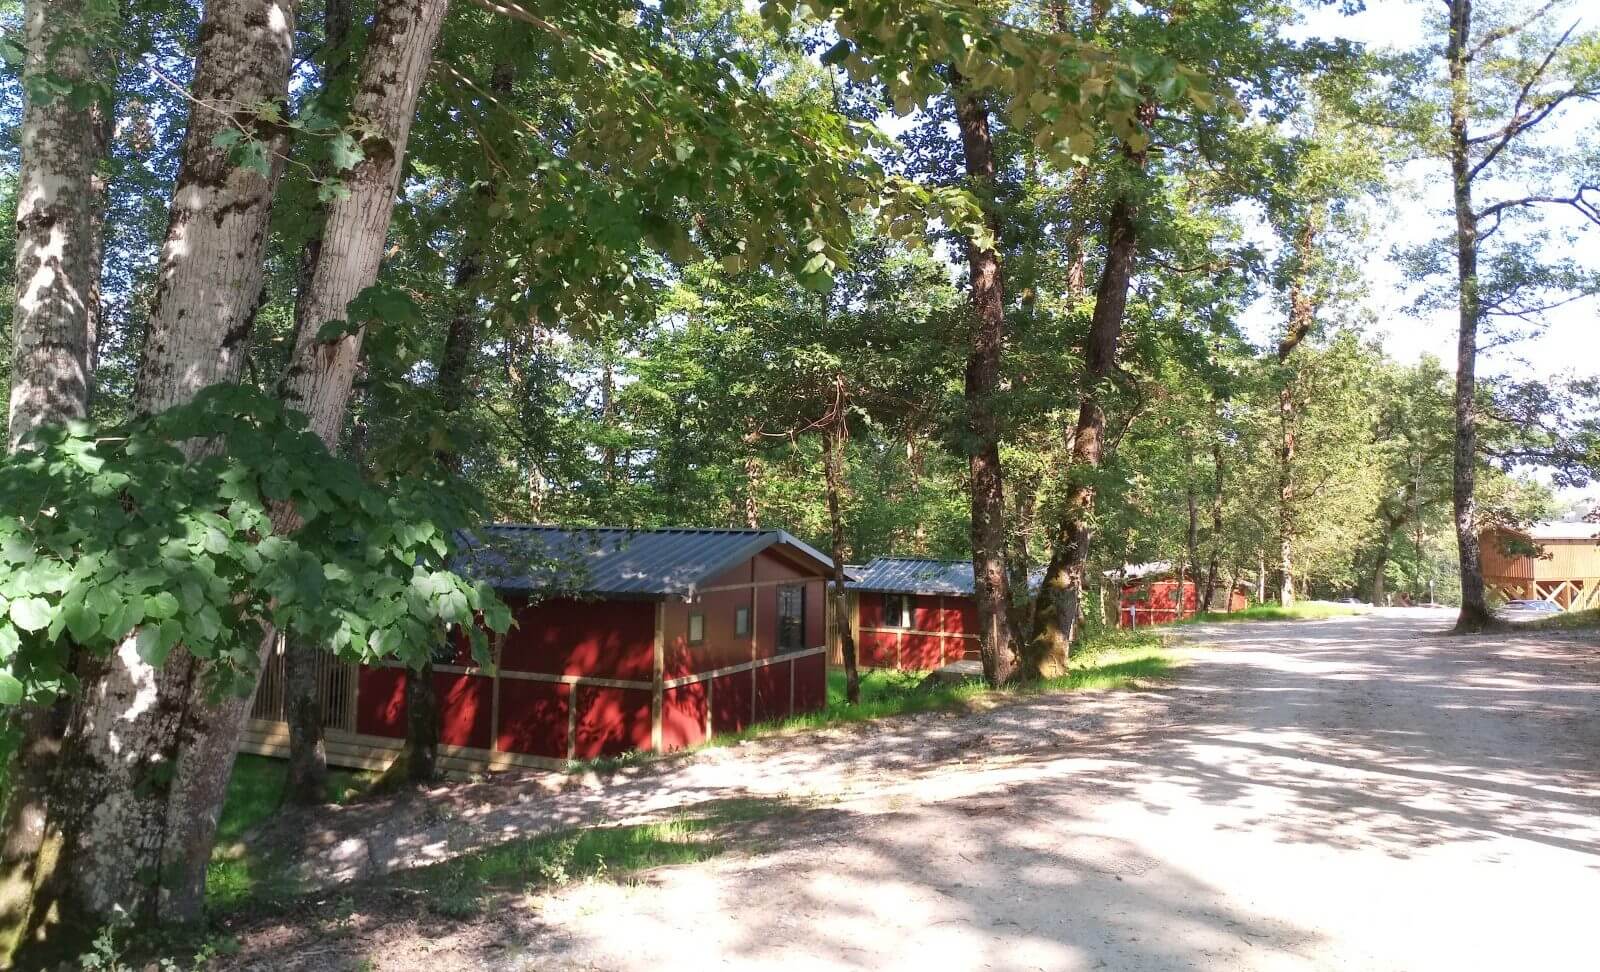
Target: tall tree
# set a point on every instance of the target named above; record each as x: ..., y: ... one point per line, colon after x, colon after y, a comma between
x: 991, y: 590
x: 1511, y: 77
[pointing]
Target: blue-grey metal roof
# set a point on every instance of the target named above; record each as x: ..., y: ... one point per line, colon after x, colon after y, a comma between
x: 922, y: 575
x: 914, y: 575
x: 516, y: 557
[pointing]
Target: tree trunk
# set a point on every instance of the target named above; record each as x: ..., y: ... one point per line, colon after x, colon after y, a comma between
x: 1059, y: 606
x: 124, y: 822
x: 997, y: 644
x: 1192, y: 540
x: 399, y: 50
x: 1060, y: 600
x: 1474, y: 614
x: 55, y: 320
x: 1302, y: 315
x: 307, y: 780
x: 57, y: 262
x: 833, y: 445
x: 1218, y: 484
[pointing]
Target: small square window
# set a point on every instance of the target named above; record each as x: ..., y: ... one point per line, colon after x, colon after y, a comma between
x: 697, y: 629
x: 741, y: 621
x: 896, y: 611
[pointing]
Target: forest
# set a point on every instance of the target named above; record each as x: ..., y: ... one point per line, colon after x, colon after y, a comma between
x: 291, y: 292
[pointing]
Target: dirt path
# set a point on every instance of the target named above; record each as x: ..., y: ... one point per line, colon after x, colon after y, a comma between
x: 1352, y: 794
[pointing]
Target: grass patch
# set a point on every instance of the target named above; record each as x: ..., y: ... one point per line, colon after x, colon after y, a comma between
x: 255, y: 792
x: 1566, y: 621
x: 459, y: 888
x: 1113, y: 659
x: 1299, y: 611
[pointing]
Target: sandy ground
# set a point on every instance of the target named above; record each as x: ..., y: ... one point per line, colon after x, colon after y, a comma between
x: 1361, y: 793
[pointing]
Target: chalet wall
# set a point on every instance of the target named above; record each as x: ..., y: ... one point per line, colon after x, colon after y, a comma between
x: 941, y: 632
x: 581, y: 679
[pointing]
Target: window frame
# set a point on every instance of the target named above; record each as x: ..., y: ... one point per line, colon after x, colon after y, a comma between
x: 741, y: 621
x: 694, y: 616
x: 903, y: 618
x: 799, y: 618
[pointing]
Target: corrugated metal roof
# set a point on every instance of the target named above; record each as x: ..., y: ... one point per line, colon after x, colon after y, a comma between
x: 612, y: 560
x: 914, y: 575
x: 922, y: 575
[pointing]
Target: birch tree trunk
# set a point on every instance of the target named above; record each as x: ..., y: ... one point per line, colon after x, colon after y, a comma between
x: 399, y: 50
x: 1474, y: 614
x: 128, y: 834
x: 996, y: 642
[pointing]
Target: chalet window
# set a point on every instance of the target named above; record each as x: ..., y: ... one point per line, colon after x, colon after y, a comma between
x: 791, y: 617
x: 697, y: 629
x: 897, y: 610
x: 741, y: 621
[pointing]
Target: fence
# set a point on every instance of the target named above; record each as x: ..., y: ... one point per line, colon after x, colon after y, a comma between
x: 336, y: 690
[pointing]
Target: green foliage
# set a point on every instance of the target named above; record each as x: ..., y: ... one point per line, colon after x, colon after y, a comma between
x: 121, y: 533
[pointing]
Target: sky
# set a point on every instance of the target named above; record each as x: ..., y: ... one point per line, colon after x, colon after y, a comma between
x: 1570, y: 340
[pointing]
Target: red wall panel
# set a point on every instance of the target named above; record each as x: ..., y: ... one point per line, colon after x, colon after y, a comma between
x: 871, y: 610
x: 920, y: 652
x: 925, y: 613
x: 381, y: 702
x: 533, y: 718
x: 565, y: 636
x: 816, y: 614
x: 877, y: 649
x: 810, y: 683
x: 730, y: 702
x: 611, y: 721
x: 683, y: 716
x: 769, y: 567
x: 465, y: 709
x: 772, y: 692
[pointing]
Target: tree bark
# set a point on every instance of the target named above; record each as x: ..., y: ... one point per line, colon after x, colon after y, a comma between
x: 833, y: 446
x: 55, y: 320
x: 997, y: 645
x: 1058, y: 608
x: 123, y: 821
x: 57, y: 261
x: 1302, y: 316
x: 1474, y: 614
x: 399, y: 50
x: 1218, y: 484
x: 306, y: 784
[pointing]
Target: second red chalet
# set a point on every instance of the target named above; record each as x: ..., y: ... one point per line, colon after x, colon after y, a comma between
x: 624, y: 640
x: 912, y: 613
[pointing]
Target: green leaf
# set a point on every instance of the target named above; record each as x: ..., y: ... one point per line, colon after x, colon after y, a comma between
x: 152, y: 647
x: 162, y: 605
x: 82, y: 623
x: 10, y: 689
x: 30, y: 613
x: 9, y: 642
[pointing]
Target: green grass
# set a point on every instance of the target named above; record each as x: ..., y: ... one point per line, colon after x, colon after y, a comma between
x: 255, y: 792
x: 1299, y: 611
x: 237, y: 879
x: 1566, y: 621
x: 460, y: 887
x: 1110, y: 660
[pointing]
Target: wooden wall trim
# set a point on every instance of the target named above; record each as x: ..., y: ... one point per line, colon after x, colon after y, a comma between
x: 658, y: 667
x: 787, y: 656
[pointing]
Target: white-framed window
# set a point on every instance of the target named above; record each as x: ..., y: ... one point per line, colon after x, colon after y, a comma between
x: 697, y: 629
x: 741, y: 621
x: 897, y: 610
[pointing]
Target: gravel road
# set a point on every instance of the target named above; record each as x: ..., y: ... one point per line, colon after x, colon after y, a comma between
x: 1358, y: 793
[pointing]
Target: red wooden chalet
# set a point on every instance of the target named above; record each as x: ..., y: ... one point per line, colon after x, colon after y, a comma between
x: 911, y: 613
x: 624, y: 640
